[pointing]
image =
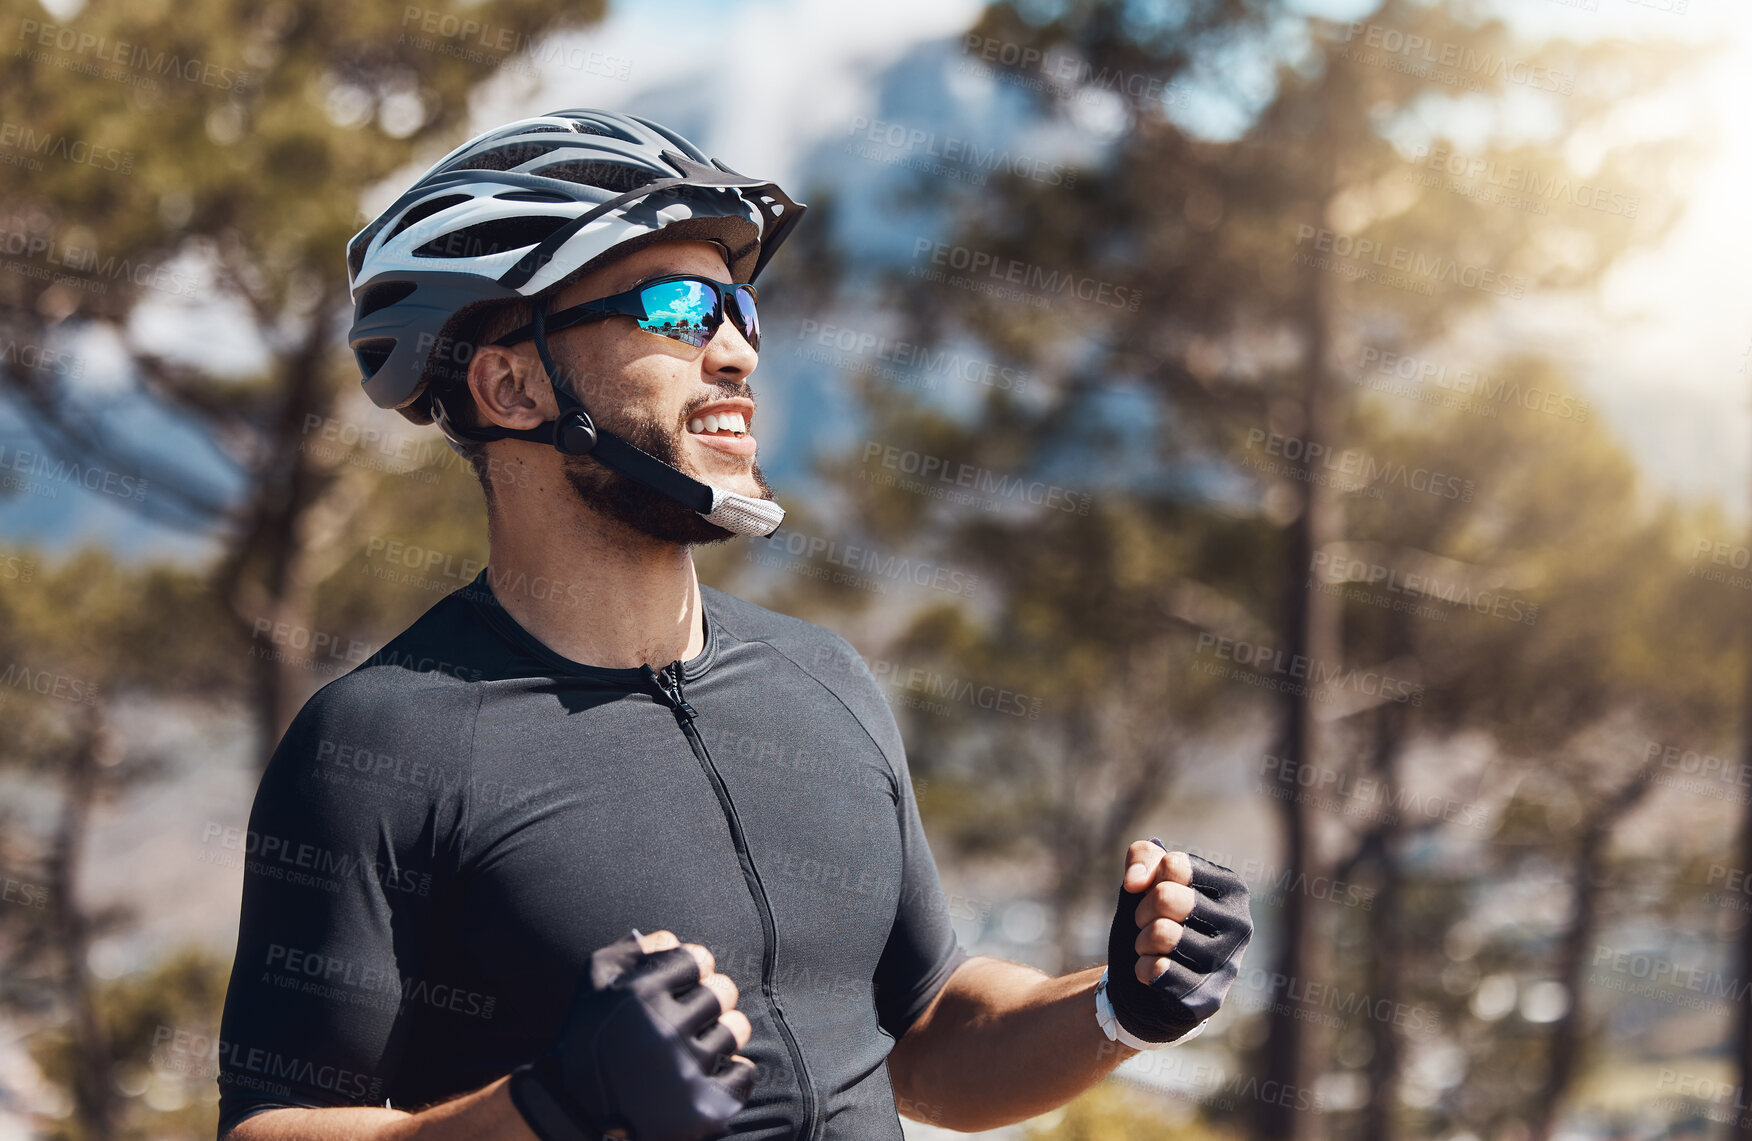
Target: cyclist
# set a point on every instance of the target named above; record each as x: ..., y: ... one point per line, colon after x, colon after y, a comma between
x: 473, y: 857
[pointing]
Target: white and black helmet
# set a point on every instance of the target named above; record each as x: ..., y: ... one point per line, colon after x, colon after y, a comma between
x: 520, y: 210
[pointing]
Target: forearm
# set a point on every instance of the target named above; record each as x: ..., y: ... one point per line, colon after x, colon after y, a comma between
x: 487, y: 1114
x: 1002, y: 1043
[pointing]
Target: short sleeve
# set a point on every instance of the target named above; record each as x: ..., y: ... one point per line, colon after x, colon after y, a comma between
x: 922, y: 949
x: 343, y: 860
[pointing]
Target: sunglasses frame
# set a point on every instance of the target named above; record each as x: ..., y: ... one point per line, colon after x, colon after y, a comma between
x: 632, y: 304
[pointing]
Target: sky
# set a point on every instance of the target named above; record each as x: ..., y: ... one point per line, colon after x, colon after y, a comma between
x: 1668, y: 359
x: 1667, y: 356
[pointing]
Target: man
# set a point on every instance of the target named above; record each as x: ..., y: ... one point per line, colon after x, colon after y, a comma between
x: 476, y: 854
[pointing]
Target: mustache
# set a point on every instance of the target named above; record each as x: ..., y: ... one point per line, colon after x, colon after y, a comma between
x: 727, y: 389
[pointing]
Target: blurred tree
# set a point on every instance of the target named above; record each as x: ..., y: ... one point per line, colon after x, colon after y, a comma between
x: 203, y: 166
x: 78, y: 640
x: 1327, y: 236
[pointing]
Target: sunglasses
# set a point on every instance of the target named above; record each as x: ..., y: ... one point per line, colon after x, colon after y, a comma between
x: 684, y: 307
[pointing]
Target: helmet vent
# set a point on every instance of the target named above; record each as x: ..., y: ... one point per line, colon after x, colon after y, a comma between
x: 487, y: 238
x: 534, y: 196
x: 371, y: 355
x: 381, y: 296
x: 502, y: 158
x: 426, y: 210
x: 617, y: 177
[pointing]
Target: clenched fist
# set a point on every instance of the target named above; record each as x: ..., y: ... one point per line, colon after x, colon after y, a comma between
x: 648, y: 1049
x: 1176, y: 942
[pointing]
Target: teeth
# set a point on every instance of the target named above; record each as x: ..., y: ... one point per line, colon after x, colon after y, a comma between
x: 719, y: 422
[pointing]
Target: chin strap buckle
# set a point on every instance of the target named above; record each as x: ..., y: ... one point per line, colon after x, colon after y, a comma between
x: 741, y: 515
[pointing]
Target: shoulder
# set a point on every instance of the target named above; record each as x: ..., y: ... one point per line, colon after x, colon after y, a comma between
x: 815, y: 649
x: 411, y: 704
x: 816, y: 652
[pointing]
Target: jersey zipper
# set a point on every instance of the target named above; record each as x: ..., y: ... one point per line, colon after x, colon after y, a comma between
x: 667, y: 684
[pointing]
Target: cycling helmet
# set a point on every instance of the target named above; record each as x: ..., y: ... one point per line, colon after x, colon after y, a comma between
x: 515, y: 213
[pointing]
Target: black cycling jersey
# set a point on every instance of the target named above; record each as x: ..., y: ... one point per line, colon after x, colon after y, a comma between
x: 446, y: 833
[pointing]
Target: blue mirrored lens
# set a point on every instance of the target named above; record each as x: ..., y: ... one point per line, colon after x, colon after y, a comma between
x: 750, y: 324
x: 686, y: 311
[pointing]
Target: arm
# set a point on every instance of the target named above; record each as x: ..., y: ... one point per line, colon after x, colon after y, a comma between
x: 1000, y: 1043
x: 484, y: 1115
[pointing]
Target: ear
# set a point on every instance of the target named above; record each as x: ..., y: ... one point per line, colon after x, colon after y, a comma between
x: 504, y: 383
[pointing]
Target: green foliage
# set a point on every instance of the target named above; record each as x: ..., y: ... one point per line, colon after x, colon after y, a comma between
x: 1115, y: 1112
x: 163, y: 1025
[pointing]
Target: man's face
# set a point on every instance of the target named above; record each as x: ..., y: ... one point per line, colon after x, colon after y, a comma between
x: 657, y: 394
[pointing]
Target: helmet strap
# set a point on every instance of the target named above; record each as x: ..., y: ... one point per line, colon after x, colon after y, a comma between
x: 574, y: 433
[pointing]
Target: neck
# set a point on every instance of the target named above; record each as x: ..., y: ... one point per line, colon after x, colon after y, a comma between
x: 591, y: 588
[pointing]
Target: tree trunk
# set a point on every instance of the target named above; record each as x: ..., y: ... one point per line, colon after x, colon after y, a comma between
x: 1310, y: 621
x: 95, y: 1100
x: 260, y: 576
x: 1387, y: 968
x: 1742, y: 1127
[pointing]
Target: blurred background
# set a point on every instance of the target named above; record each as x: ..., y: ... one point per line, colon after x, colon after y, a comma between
x: 1312, y: 432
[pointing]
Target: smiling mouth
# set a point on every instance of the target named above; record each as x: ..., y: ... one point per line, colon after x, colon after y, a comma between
x: 723, y: 424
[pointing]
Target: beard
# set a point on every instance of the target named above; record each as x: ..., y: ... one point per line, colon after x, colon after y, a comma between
x: 645, y: 509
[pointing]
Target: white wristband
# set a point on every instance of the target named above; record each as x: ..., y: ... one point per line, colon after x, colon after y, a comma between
x: 1116, y: 1033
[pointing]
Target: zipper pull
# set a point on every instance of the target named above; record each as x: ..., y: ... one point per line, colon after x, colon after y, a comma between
x: 668, y: 687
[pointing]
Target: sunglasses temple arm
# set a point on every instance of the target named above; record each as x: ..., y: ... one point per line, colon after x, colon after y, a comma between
x: 738, y: 514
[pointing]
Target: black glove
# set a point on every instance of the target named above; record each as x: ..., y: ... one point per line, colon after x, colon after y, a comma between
x: 642, y: 1055
x: 1201, y: 968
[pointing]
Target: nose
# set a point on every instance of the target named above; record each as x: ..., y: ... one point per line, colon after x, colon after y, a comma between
x: 728, y: 355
